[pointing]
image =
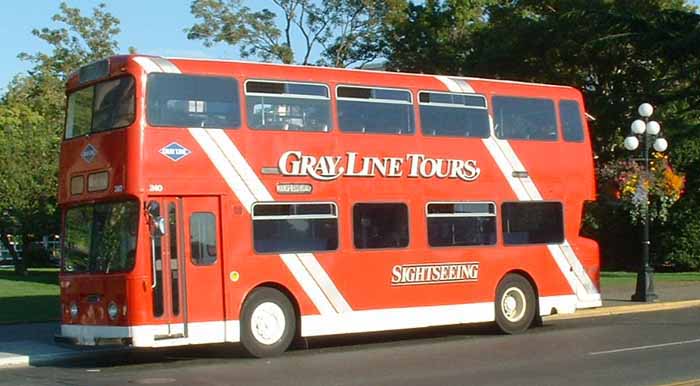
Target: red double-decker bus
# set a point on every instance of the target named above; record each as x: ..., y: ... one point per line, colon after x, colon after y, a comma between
x: 224, y: 201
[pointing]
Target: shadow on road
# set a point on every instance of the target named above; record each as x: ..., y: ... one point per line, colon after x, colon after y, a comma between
x: 214, y: 352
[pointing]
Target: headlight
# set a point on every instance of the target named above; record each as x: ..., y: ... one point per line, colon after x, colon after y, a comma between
x: 73, y: 310
x: 112, y: 310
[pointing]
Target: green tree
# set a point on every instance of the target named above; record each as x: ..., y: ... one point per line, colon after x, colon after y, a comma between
x: 32, y: 116
x: 433, y: 36
x: 344, y: 31
x: 619, y: 53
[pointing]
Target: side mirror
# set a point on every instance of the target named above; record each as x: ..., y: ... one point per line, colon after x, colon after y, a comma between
x: 158, y: 226
x: 157, y: 222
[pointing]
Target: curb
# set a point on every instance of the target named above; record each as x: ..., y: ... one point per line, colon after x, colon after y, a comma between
x: 620, y: 310
x: 17, y: 361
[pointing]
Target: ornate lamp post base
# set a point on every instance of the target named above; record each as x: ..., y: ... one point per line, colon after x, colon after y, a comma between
x: 645, y: 286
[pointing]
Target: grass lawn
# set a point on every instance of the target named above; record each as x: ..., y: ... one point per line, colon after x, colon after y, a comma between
x: 612, y: 278
x: 31, y: 298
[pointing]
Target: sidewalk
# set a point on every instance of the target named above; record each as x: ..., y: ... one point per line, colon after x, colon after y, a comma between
x: 32, y: 343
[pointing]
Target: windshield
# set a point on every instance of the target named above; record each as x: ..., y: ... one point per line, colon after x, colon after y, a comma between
x: 100, y: 238
x: 104, y: 106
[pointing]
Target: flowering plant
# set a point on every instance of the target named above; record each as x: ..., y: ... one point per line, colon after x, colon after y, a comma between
x: 628, y: 182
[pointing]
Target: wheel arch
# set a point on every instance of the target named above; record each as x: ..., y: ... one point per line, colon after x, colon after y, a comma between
x: 524, y: 274
x: 285, y: 291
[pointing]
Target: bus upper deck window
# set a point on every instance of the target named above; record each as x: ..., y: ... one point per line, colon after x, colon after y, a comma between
x: 524, y: 118
x: 375, y: 110
x: 453, y: 114
x: 571, y: 123
x: 104, y: 106
x: 181, y: 100
x: 288, y: 106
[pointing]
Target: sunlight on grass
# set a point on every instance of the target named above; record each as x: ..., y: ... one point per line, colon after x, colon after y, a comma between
x: 30, y: 298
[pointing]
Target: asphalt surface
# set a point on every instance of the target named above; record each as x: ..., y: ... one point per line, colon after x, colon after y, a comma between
x: 650, y: 348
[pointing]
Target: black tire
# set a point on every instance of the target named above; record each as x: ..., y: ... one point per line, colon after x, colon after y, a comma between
x: 268, y: 323
x: 516, y: 304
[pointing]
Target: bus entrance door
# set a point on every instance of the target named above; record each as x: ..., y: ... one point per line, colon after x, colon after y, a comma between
x: 186, y: 262
x: 203, y: 262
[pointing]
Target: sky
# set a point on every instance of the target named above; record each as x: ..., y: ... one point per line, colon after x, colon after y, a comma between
x: 153, y: 27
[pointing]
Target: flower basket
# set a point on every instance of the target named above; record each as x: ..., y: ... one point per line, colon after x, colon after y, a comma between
x: 637, y: 190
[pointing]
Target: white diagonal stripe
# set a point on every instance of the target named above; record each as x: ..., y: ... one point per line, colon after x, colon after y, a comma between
x: 307, y: 283
x: 224, y: 167
x: 324, y: 281
x: 147, y: 64
x: 243, y: 181
x: 242, y: 167
x: 166, y: 65
x: 525, y: 189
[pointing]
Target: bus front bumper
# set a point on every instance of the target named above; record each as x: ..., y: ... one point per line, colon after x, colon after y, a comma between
x: 94, y: 335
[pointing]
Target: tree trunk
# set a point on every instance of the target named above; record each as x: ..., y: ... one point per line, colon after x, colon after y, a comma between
x: 19, y: 266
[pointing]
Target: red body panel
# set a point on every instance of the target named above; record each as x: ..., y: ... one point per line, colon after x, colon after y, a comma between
x: 562, y: 171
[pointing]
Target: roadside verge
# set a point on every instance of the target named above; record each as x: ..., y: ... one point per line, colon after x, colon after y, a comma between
x: 619, y: 310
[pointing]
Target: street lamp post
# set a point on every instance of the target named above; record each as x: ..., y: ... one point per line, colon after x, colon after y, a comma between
x: 649, y: 132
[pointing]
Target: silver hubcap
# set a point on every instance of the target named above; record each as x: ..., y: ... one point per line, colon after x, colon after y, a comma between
x: 513, y: 304
x: 268, y: 323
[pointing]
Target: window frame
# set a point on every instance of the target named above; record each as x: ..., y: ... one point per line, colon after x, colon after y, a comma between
x: 196, y: 262
x: 331, y: 120
x: 452, y: 105
x: 92, y: 107
x: 64, y: 237
x: 408, y: 223
x: 199, y: 75
x: 440, y: 104
x: 559, y: 134
x: 563, y: 223
x: 371, y: 100
x: 447, y: 215
x: 296, y: 217
x: 579, y: 107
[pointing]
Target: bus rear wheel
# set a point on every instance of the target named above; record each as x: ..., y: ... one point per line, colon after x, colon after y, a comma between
x: 268, y: 323
x: 515, y: 304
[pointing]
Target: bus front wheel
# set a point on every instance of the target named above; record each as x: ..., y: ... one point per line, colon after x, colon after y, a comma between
x: 515, y: 304
x: 268, y: 323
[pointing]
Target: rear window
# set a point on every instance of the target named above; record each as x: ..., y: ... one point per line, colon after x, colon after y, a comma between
x: 104, y: 106
x: 524, y: 118
x: 192, y: 101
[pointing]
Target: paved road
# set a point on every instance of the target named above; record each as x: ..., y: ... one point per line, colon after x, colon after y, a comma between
x: 636, y: 349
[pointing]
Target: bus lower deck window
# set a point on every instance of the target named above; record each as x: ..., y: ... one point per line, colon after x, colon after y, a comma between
x: 532, y: 223
x: 461, y: 224
x: 380, y: 225
x: 297, y: 227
